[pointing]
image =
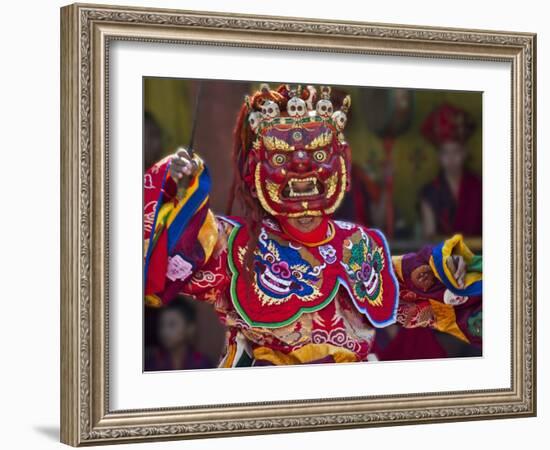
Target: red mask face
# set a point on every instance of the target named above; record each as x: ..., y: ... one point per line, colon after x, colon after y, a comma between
x: 299, y: 170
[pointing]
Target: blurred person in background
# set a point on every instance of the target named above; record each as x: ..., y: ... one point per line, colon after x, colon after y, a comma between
x: 176, y: 333
x: 452, y: 202
x: 363, y: 203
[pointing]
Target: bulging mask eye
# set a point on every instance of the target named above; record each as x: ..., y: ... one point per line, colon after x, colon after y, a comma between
x: 278, y: 159
x: 320, y: 155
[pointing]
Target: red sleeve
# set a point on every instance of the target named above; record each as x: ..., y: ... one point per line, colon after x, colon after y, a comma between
x: 180, y: 232
x: 156, y: 181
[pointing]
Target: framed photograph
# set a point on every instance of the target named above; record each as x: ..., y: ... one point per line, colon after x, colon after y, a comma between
x: 278, y: 224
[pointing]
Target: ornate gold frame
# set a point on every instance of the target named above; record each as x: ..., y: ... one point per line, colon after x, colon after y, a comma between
x: 86, y: 31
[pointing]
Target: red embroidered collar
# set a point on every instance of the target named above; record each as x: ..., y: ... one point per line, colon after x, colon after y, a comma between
x: 319, y: 236
x: 290, y: 278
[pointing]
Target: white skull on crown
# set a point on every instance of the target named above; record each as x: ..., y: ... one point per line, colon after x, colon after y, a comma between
x: 324, y: 107
x: 254, y: 119
x: 340, y: 119
x: 270, y: 110
x: 296, y: 107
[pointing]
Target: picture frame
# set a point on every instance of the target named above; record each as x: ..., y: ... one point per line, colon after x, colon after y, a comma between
x: 87, y: 32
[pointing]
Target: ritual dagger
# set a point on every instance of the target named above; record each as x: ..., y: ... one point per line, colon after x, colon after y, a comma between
x: 181, y: 189
x: 195, y: 120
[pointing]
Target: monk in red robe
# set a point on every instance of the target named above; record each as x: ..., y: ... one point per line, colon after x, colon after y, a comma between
x: 452, y: 202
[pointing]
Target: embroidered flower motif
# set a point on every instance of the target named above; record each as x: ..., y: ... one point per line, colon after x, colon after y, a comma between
x: 178, y: 268
x: 344, y: 225
x: 475, y: 323
x: 207, y: 278
x: 339, y: 337
x: 452, y: 299
x: 328, y: 253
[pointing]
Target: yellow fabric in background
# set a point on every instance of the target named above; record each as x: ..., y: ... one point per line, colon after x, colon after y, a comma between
x: 169, y: 101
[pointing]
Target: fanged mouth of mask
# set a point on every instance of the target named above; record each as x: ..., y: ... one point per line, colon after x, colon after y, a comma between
x: 298, y: 188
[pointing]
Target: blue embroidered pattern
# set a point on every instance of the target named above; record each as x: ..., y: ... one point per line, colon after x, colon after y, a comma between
x: 282, y: 271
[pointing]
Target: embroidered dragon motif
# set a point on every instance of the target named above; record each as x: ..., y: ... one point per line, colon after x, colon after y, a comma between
x: 282, y: 271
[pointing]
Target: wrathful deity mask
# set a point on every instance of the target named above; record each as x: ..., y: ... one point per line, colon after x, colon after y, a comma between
x: 298, y: 159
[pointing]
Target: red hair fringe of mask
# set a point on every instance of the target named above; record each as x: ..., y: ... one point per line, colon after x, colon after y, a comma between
x: 240, y: 190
